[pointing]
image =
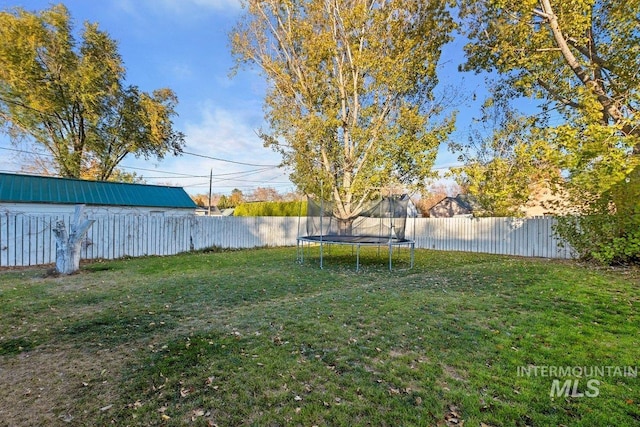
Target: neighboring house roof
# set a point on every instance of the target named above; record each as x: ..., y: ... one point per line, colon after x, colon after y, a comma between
x: 451, y: 206
x: 43, y: 189
x: 466, y: 201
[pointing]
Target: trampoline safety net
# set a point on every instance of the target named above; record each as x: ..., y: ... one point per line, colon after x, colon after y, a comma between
x: 381, y: 220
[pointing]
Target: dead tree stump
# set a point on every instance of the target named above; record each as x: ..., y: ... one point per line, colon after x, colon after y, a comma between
x: 68, y: 246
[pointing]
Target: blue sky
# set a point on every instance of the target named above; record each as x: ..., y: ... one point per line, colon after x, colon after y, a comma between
x: 183, y: 45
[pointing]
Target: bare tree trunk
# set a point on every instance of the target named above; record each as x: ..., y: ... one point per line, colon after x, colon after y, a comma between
x: 68, y: 246
x: 345, y: 227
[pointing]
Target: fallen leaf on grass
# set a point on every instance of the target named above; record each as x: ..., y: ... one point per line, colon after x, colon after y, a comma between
x: 67, y: 418
x: 452, y: 418
x: 197, y: 413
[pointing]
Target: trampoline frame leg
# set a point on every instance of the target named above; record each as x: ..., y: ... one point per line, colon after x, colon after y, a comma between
x: 300, y: 248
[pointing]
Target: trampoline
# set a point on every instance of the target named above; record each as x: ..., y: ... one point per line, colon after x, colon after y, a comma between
x: 381, y: 223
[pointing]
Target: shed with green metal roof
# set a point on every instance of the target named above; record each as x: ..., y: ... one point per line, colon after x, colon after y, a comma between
x: 31, y: 193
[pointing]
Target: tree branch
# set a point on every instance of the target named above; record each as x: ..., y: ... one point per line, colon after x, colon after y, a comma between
x: 557, y: 96
x: 610, y: 108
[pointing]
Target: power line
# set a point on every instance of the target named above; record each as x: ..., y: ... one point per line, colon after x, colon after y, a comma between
x: 186, y: 175
x: 224, y: 177
x: 183, y: 152
x: 229, y: 161
x: 177, y: 174
x: 249, y: 181
x: 26, y: 152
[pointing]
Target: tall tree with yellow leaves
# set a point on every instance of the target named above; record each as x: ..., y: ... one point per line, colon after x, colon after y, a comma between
x: 350, y: 101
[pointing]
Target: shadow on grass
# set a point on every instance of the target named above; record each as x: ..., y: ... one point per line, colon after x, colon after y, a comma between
x: 13, y: 346
x: 111, y: 329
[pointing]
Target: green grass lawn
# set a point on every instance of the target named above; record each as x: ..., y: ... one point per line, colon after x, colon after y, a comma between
x: 253, y: 338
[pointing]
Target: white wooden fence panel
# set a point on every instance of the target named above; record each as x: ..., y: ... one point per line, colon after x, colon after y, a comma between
x: 27, y: 239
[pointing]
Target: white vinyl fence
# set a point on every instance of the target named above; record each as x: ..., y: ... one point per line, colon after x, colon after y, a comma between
x: 27, y: 239
x: 530, y: 237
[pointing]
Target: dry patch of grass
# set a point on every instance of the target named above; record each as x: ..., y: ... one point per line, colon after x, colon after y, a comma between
x: 47, y: 386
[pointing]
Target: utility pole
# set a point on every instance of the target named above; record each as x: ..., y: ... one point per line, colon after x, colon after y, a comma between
x: 210, y: 182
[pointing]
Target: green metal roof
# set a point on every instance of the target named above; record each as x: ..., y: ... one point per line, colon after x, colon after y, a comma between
x: 41, y: 189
